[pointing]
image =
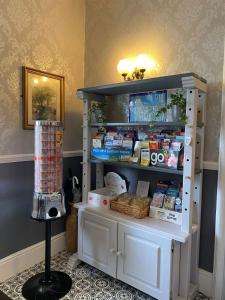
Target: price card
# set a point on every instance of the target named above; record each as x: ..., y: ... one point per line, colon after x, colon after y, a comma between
x: 142, y: 188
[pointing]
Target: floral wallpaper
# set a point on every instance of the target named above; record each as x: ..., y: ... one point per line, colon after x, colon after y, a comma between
x: 182, y: 35
x: 47, y: 35
x: 53, y: 35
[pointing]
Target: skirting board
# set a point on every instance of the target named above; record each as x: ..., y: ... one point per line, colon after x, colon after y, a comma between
x: 26, y: 258
x: 205, y: 282
x: 205, y: 285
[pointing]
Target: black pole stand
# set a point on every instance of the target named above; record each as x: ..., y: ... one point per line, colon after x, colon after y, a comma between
x: 50, y: 285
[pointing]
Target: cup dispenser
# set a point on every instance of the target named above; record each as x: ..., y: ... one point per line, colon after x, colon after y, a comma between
x: 48, y: 200
x: 48, y: 205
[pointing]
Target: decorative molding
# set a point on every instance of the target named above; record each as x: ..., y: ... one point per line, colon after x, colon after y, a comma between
x: 26, y: 258
x: 29, y: 157
x: 205, y: 282
x: 210, y: 165
x: 72, y: 153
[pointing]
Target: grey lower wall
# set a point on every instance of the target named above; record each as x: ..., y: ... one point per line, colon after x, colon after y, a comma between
x: 17, y: 229
x: 208, y: 205
x: 207, y: 236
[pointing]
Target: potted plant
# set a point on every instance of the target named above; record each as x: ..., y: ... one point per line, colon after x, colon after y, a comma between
x: 175, y: 110
x: 97, y: 112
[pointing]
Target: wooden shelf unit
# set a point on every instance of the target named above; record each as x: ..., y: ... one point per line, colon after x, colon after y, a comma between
x: 184, y: 239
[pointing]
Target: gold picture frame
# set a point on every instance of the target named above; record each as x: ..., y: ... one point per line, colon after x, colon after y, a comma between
x: 43, y: 97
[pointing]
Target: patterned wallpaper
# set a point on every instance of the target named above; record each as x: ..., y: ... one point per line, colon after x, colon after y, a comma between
x: 182, y: 35
x: 46, y: 35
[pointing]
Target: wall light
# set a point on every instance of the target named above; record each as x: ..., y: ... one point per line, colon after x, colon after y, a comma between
x: 44, y: 79
x: 135, y: 69
x: 36, y: 81
x: 125, y: 67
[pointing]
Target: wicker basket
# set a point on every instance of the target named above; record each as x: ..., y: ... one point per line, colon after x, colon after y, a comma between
x: 130, y: 209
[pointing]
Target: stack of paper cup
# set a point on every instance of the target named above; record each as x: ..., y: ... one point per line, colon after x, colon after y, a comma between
x: 48, y: 157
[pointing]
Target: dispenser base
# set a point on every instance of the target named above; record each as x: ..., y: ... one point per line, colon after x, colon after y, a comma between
x: 36, y: 288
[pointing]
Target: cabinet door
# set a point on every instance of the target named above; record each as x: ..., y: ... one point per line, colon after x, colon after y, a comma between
x: 144, y: 261
x: 98, y: 242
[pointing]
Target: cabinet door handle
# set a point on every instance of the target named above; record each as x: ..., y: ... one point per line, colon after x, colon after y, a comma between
x: 112, y: 250
x: 118, y: 253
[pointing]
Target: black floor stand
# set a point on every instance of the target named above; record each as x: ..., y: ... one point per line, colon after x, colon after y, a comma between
x: 49, y: 285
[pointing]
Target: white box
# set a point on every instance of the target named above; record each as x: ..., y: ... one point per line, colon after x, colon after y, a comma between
x: 165, y: 215
x: 101, y: 197
x: 115, y: 186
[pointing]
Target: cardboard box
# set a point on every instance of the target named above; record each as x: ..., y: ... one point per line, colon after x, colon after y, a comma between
x: 101, y: 197
x: 115, y: 186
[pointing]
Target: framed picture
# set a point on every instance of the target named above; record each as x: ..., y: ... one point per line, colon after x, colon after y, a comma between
x: 43, y: 97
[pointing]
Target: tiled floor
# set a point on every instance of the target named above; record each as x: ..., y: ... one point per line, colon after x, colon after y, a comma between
x: 88, y: 283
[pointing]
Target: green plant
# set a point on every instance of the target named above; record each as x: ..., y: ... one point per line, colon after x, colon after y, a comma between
x: 178, y: 100
x: 97, y: 111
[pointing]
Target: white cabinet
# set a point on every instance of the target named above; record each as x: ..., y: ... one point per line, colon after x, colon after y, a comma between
x: 144, y: 261
x: 135, y: 256
x: 97, y: 243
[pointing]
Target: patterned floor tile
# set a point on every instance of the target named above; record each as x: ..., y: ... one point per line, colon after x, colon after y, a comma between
x: 88, y: 283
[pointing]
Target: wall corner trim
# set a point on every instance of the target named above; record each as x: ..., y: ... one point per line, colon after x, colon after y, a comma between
x: 26, y: 258
x: 11, y: 158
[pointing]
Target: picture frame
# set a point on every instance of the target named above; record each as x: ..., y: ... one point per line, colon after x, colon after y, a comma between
x: 43, y: 97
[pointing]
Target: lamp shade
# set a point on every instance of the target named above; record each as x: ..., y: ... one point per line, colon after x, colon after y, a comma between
x: 124, y: 66
x: 143, y: 62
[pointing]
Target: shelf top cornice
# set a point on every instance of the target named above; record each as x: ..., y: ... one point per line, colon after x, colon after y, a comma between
x: 186, y: 80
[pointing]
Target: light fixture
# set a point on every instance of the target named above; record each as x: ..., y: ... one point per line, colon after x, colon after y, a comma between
x: 125, y: 67
x: 44, y: 79
x: 135, y: 69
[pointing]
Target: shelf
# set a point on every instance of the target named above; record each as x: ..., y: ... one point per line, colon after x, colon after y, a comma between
x: 140, y: 167
x: 162, y: 228
x: 190, y: 80
x: 138, y: 124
